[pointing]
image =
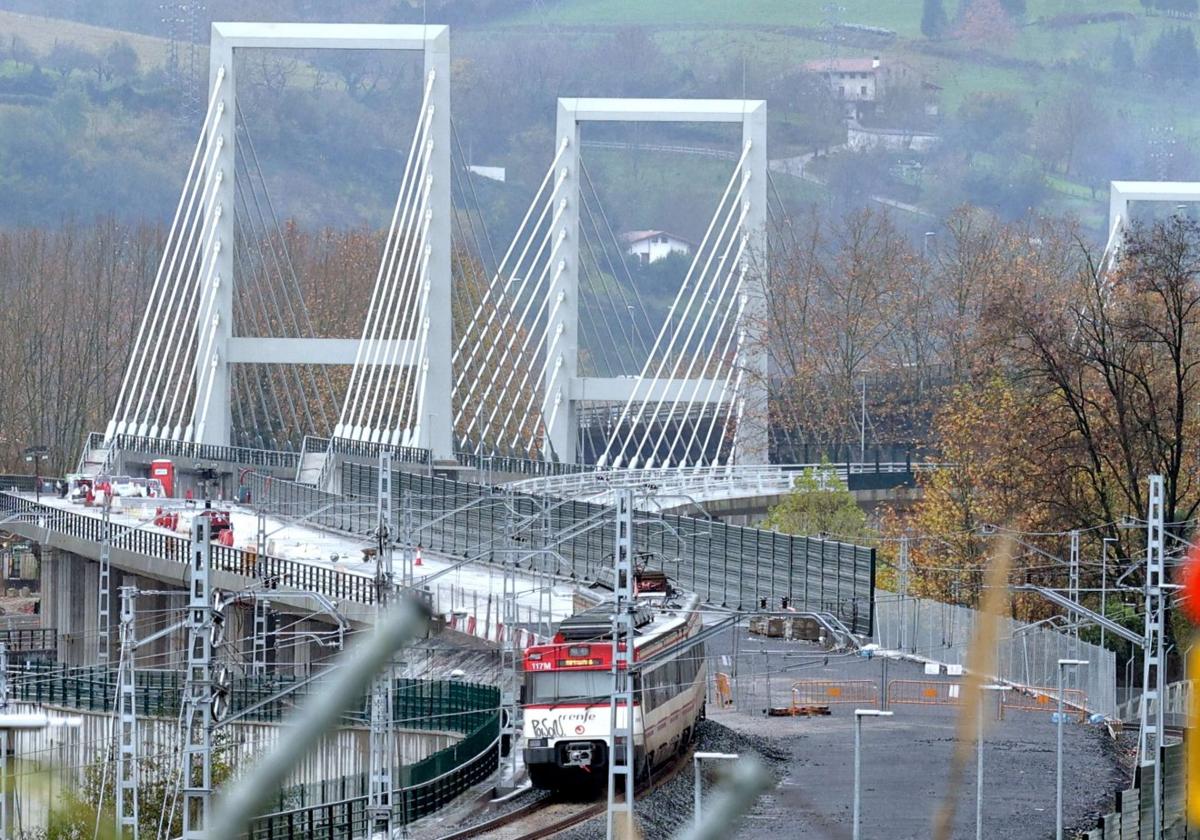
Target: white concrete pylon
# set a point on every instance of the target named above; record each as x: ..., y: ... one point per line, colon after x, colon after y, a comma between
x: 213, y: 384
x: 562, y: 391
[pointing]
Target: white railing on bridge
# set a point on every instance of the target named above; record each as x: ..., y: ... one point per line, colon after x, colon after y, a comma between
x: 707, y: 483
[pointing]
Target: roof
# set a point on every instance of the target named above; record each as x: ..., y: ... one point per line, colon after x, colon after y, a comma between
x: 841, y: 65
x: 633, y: 236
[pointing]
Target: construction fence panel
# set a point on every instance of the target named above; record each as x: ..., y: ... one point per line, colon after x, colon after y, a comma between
x: 924, y: 692
x: 824, y: 692
x: 1026, y: 655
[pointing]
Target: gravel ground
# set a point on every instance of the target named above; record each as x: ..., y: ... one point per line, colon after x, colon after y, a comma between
x: 669, y: 808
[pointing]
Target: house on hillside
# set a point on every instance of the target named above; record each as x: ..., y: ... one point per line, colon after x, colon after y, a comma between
x: 650, y: 246
x: 863, y: 82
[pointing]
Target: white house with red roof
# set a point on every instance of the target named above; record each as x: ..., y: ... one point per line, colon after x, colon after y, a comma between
x: 650, y: 246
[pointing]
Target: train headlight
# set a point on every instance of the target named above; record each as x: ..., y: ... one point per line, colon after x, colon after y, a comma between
x: 579, y: 650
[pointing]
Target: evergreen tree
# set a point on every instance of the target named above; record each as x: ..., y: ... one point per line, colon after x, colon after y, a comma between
x: 819, y: 503
x: 1123, y: 60
x: 933, y: 19
x: 1173, y: 54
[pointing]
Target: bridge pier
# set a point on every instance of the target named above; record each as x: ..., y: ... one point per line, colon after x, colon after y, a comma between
x: 70, y: 585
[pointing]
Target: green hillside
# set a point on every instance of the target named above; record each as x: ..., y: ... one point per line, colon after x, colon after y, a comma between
x: 1038, y: 103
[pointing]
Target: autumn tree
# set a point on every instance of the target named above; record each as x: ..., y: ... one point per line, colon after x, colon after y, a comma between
x: 986, y: 23
x: 831, y: 296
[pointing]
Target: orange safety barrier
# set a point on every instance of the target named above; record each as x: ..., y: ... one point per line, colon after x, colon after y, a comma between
x: 924, y: 692
x: 824, y: 692
x: 724, y: 690
x: 1043, y: 699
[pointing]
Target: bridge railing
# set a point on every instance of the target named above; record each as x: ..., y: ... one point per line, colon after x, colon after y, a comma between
x: 276, y: 571
x: 243, y: 455
x: 367, y: 449
x: 705, y: 482
x: 519, y: 466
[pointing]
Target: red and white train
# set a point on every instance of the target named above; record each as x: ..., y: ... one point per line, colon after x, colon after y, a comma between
x: 568, y: 684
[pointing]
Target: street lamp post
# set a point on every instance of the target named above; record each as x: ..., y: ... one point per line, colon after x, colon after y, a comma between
x: 1058, y: 801
x: 37, y: 454
x: 696, y: 759
x: 859, y: 714
x: 1104, y: 582
x: 979, y: 761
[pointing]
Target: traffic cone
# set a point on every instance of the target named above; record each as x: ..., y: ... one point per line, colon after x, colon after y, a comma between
x: 417, y: 560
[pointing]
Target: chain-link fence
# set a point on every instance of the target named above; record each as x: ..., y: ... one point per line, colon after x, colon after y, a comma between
x: 1026, y: 654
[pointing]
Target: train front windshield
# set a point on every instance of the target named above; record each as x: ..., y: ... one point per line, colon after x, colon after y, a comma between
x: 552, y: 686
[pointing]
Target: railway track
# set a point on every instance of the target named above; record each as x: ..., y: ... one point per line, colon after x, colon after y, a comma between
x: 551, y: 815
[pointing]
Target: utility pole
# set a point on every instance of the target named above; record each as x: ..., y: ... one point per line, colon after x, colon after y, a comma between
x: 1104, y: 583
x: 903, y: 587
x: 103, y: 637
x: 408, y: 541
x: 127, y: 763
x: 508, y: 630
x: 1153, y: 675
x: 383, y: 749
x: 1073, y: 594
x: 197, y: 693
x: 3, y: 744
x: 862, y: 424
x: 621, y: 757
x: 262, y: 606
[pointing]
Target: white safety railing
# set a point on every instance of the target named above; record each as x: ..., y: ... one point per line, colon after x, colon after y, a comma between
x: 715, y: 482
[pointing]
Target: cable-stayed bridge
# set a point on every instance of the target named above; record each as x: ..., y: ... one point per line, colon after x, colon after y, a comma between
x: 227, y: 352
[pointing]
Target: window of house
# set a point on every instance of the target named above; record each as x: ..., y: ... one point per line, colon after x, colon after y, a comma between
x: 863, y: 90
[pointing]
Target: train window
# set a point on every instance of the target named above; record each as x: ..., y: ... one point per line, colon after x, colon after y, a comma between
x: 546, y: 687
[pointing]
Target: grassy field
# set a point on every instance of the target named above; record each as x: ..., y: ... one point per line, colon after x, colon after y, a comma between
x: 903, y: 16
x: 43, y: 32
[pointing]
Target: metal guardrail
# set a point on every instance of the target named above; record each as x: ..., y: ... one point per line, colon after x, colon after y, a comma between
x: 243, y: 455
x: 25, y: 483
x: 277, y: 571
x: 366, y: 449
x: 731, y: 481
x: 489, y: 464
x: 437, y: 705
x: 1175, y: 707
x: 18, y: 640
